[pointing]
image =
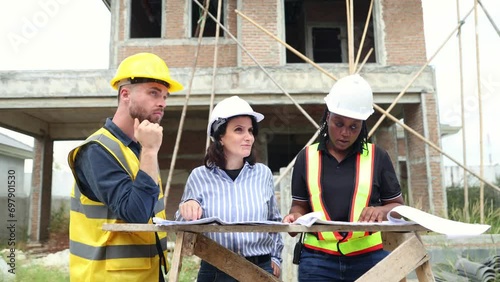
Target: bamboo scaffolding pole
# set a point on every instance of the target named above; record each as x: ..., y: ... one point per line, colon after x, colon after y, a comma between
x: 489, y: 18
x: 214, y: 71
x: 480, y: 107
x: 365, y: 29
x: 462, y: 110
x: 290, y: 48
x: 381, y: 110
x: 422, y: 138
x: 350, y: 34
x: 184, y: 108
x: 364, y: 60
x: 299, y: 107
x: 417, y: 75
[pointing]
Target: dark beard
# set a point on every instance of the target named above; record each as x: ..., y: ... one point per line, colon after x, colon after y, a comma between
x: 139, y: 113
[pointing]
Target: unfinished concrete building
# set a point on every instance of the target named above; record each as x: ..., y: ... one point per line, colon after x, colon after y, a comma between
x: 70, y: 105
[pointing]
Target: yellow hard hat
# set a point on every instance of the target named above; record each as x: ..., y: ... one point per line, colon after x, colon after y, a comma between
x: 145, y: 67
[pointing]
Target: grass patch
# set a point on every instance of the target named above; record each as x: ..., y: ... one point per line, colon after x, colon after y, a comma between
x: 189, y: 270
x: 472, y: 214
x: 190, y: 267
x: 491, y: 215
x: 59, y: 220
x: 36, y: 273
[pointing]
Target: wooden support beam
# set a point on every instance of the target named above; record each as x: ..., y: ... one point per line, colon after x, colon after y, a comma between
x: 229, y: 262
x: 405, y: 258
x: 173, y: 273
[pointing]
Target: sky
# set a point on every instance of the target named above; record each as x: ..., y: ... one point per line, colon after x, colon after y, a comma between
x: 53, y: 35
x: 64, y: 34
x: 440, y: 19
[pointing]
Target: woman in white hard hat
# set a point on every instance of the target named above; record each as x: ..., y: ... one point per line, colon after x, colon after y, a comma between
x: 233, y: 187
x: 345, y: 178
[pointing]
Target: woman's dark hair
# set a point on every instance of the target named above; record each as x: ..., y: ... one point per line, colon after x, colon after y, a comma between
x: 358, y: 146
x: 215, y: 152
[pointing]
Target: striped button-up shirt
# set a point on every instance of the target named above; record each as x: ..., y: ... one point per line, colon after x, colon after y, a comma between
x: 250, y: 197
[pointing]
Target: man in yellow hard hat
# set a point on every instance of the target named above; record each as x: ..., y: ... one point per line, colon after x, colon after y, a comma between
x: 117, y: 180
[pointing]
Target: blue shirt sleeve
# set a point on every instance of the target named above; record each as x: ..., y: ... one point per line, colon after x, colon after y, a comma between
x: 275, y: 215
x: 190, y: 193
x: 101, y: 178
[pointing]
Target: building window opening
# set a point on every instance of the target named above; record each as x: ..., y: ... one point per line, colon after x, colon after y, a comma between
x: 210, y: 24
x: 318, y: 29
x: 327, y: 45
x: 146, y: 18
x: 282, y: 148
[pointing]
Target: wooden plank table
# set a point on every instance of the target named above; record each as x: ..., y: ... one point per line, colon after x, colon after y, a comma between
x: 407, y: 250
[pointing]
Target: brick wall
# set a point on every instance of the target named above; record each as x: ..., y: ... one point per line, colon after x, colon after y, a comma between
x: 424, y: 165
x: 264, y: 48
x: 175, y: 14
x: 175, y: 52
x: 435, y: 157
x: 404, y: 32
x: 178, y: 56
x: 385, y: 137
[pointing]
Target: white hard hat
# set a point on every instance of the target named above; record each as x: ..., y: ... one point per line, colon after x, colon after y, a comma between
x: 352, y: 97
x: 230, y: 107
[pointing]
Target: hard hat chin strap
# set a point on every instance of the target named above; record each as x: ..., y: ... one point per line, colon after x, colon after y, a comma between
x: 217, y: 123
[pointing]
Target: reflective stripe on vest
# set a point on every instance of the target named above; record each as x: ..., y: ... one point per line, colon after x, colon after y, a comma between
x: 354, y: 242
x: 98, y: 254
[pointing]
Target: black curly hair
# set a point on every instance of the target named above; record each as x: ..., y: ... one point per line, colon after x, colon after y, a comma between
x: 358, y: 146
x: 215, y: 152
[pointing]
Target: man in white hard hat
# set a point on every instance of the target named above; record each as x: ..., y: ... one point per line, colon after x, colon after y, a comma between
x: 117, y: 180
x: 231, y: 180
x: 344, y: 178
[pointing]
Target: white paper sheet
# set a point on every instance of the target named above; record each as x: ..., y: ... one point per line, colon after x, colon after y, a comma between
x: 314, y: 217
x: 438, y: 224
x: 414, y: 216
x: 210, y: 220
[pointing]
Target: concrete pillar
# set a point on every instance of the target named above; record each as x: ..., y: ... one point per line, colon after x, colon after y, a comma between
x: 386, y: 137
x: 41, y: 193
x: 289, y: 271
x: 260, y: 146
x: 425, y: 181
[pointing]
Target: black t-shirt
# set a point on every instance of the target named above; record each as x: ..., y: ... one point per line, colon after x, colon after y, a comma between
x: 233, y: 173
x: 338, y: 180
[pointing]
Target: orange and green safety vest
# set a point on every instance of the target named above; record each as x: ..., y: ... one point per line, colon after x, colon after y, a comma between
x: 354, y: 242
x: 98, y: 255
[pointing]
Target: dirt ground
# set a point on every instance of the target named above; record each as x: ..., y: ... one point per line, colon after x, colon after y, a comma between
x: 58, y: 242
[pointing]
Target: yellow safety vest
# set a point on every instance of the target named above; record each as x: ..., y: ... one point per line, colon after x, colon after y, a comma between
x: 98, y: 255
x: 353, y: 243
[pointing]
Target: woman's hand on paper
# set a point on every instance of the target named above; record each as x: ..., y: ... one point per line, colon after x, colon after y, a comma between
x: 190, y: 210
x: 292, y: 217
